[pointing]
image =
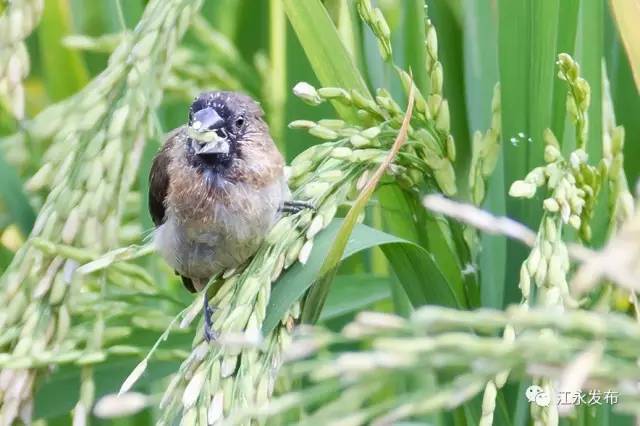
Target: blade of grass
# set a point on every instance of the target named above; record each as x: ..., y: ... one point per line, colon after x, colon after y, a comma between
x: 445, y: 18
x: 64, y: 70
x: 330, y: 64
x: 527, y: 33
x: 421, y: 278
x: 318, y: 294
x: 251, y: 29
x: 513, y: 44
x: 278, y: 83
x: 412, y: 263
x: 624, y: 92
x: 526, y: 42
x: 299, y: 69
x: 544, y: 29
x: 591, y: 39
x: 414, y: 52
x: 340, y: 12
x: 481, y: 75
x: 14, y: 198
x: 61, y: 391
x: 566, y: 42
x: 493, y: 255
x: 590, y: 54
x: 354, y: 292
x: 223, y: 15
x: 326, y: 53
x: 404, y: 216
x: 480, y: 60
x: 627, y: 16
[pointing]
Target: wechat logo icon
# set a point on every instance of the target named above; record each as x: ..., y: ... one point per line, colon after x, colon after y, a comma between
x: 535, y: 394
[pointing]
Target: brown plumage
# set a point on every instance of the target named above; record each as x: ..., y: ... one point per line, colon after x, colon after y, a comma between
x: 216, y: 187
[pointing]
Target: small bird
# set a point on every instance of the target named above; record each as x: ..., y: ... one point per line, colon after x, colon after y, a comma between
x: 215, y: 189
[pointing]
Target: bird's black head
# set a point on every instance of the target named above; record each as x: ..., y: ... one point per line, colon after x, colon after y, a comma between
x: 219, y: 124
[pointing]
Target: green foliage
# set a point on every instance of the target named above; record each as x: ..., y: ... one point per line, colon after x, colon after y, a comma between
x: 523, y: 108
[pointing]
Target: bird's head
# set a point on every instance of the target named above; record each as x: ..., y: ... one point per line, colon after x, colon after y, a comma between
x: 221, y: 125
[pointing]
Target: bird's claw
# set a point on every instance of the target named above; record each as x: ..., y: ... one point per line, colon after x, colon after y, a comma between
x: 209, y: 332
x: 295, y: 206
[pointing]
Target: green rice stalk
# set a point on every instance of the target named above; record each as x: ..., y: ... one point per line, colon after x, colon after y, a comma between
x: 486, y: 151
x: 446, y: 340
x: 621, y: 204
x: 17, y: 20
x: 98, y: 136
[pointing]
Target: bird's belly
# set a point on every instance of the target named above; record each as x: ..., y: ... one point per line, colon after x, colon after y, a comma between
x: 223, y: 237
x: 205, y: 254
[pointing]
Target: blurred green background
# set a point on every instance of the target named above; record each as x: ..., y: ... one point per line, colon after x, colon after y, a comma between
x: 481, y: 42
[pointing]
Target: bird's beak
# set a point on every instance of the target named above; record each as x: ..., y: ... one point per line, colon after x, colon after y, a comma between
x: 216, y: 146
x: 202, y: 130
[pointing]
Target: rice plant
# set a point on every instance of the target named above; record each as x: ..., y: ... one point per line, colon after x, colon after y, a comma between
x: 472, y: 252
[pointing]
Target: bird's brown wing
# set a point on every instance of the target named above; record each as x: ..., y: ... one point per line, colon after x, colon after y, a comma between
x: 158, y: 188
x: 159, y: 181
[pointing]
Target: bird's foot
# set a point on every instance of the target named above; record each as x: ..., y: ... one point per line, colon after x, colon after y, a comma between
x: 209, y: 333
x: 296, y: 206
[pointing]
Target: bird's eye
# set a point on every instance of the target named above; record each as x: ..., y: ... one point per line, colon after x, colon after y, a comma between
x: 239, y: 122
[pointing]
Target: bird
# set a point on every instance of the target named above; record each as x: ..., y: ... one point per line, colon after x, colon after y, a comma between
x: 216, y: 187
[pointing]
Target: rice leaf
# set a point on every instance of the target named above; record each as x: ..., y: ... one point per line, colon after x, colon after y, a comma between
x: 294, y: 283
x: 14, y: 198
x: 354, y: 292
x: 566, y: 42
x: 64, y: 70
x: 329, y: 58
x: 526, y: 46
x: 627, y: 16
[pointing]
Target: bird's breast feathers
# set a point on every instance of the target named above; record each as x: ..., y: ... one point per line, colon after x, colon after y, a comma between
x: 216, y: 221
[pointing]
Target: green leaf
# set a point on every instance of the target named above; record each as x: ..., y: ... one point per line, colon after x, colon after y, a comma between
x: 480, y: 76
x: 353, y: 292
x: 421, y: 277
x: 414, y: 51
x: 480, y: 60
x: 326, y: 53
x: 64, y: 69
x: 493, y: 255
x: 590, y: 51
x: 590, y: 47
x: 542, y: 74
x: 627, y: 16
x: 14, y: 198
x: 404, y: 216
x: 60, y: 392
x: 526, y: 46
x: 527, y: 42
x: 626, y: 101
x: 223, y: 14
x: 513, y: 46
x: 566, y: 43
x: 251, y: 30
x: 419, y: 263
x: 277, y: 88
x: 450, y: 53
